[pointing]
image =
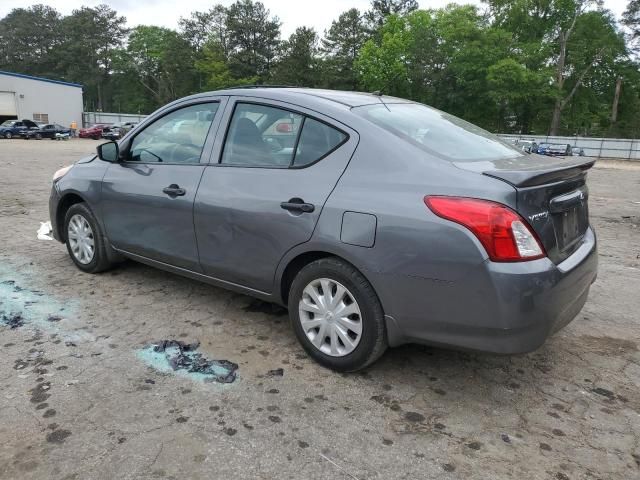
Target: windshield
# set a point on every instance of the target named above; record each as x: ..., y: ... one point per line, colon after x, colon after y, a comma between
x: 437, y: 132
x: 8, y: 123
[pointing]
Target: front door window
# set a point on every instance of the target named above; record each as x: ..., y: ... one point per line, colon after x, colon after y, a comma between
x: 176, y: 138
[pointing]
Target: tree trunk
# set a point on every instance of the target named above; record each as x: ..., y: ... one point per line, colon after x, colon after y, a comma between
x: 99, y: 97
x: 555, y: 119
x: 616, y: 100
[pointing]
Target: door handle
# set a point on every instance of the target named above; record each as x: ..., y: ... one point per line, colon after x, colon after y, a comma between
x: 174, y: 190
x: 297, y: 205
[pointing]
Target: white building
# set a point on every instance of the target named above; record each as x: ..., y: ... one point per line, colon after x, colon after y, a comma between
x: 39, y: 99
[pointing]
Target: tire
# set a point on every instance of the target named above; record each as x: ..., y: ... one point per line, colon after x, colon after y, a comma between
x: 99, y: 262
x: 8, y: 135
x: 372, y: 341
x: 38, y: 136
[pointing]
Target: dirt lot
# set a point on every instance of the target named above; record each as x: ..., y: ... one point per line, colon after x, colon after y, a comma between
x: 78, y: 402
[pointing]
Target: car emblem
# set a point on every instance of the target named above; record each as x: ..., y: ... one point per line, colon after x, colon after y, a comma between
x: 538, y: 216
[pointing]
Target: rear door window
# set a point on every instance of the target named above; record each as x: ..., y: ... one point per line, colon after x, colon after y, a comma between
x: 261, y: 136
x: 317, y: 140
x: 266, y: 136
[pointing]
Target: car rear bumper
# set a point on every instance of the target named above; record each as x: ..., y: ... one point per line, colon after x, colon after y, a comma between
x: 499, y: 307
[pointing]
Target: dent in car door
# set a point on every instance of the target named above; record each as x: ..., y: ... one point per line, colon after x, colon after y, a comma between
x: 147, y: 201
x: 244, y: 224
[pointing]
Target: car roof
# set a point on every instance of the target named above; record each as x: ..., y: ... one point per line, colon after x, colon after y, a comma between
x: 309, y: 95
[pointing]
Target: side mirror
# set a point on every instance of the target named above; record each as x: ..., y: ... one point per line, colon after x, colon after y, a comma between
x: 109, y: 152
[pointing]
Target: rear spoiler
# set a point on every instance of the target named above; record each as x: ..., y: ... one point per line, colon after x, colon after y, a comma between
x: 530, y: 178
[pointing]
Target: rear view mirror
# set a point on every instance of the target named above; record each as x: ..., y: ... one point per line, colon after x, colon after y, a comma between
x: 109, y: 152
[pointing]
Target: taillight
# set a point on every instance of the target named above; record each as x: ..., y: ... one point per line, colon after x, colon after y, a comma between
x: 503, y: 233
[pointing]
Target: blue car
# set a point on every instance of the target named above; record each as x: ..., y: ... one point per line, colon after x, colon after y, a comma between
x: 14, y: 128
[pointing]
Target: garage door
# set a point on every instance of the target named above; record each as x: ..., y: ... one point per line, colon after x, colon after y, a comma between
x: 7, y: 104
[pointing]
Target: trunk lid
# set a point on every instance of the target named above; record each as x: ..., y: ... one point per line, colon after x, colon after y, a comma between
x: 552, y: 196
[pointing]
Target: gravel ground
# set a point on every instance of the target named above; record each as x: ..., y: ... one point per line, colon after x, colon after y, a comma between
x: 78, y: 402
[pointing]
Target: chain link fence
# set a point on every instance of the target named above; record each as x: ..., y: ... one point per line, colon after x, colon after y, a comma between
x: 92, y: 118
x: 619, y: 148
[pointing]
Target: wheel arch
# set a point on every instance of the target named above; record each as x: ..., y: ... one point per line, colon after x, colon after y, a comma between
x: 296, y: 261
x: 66, y: 202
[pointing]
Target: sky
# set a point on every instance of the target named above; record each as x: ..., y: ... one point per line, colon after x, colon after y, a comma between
x: 292, y: 13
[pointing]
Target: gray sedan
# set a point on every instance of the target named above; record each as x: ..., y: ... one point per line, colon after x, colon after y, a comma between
x: 375, y: 220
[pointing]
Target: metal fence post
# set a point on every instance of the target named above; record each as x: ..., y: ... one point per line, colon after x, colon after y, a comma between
x: 600, y: 152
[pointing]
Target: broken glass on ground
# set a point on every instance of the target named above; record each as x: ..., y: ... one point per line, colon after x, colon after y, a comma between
x: 20, y: 305
x: 183, y: 358
x: 12, y: 320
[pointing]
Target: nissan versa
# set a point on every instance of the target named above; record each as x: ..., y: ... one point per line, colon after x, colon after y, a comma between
x: 377, y: 221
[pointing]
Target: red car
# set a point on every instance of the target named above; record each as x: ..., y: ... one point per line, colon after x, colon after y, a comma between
x: 94, y: 131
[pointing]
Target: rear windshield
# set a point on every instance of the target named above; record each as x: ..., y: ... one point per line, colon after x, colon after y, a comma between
x: 438, y: 133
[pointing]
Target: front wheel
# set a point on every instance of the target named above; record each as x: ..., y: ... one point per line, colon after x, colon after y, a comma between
x: 85, y: 243
x: 8, y: 135
x: 337, y: 316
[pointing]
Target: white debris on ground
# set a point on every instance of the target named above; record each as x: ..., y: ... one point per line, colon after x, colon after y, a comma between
x: 45, y: 231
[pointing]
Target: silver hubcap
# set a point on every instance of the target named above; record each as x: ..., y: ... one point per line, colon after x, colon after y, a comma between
x: 330, y: 317
x: 81, y: 239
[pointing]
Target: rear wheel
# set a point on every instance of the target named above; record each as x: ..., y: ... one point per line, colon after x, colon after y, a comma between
x: 38, y: 136
x: 85, y: 243
x: 337, y: 316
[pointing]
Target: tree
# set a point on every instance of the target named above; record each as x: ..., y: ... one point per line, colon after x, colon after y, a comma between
x: 631, y: 18
x: 254, y: 37
x: 381, y: 9
x: 212, y: 65
x: 162, y: 61
x: 91, y: 36
x: 29, y: 39
x: 439, y: 57
x: 517, y: 92
x: 341, y: 47
x: 586, y: 45
x: 202, y: 28
x: 298, y: 63
x: 573, y: 38
x: 383, y: 67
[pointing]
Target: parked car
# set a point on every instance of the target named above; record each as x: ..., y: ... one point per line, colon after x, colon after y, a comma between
x: 555, y: 149
x: 125, y: 126
x: 384, y: 224
x: 577, y: 151
x: 111, y: 133
x: 94, y: 131
x: 528, y: 146
x: 13, y: 128
x: 50, y: 130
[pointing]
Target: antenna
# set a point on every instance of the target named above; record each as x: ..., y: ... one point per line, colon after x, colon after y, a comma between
x: 379, y: 94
